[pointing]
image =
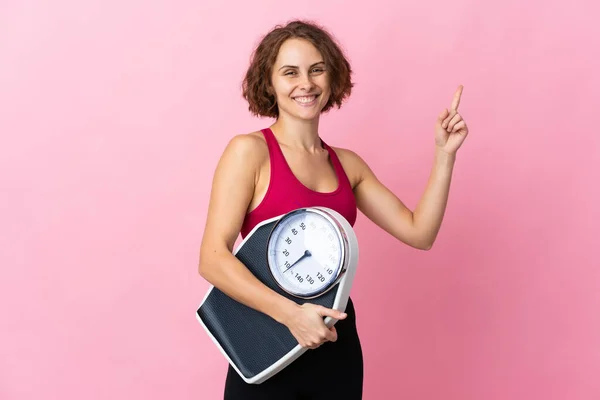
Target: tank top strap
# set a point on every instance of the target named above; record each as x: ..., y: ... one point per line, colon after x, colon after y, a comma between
x: 268, y: 136
x: 271, y: 141
x: 337, y: 165
x: 276, y: 157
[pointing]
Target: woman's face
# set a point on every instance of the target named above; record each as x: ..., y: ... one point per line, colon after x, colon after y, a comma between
x: 300, y: 80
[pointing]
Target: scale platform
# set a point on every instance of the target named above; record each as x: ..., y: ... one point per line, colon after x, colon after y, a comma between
x: 257, y: 346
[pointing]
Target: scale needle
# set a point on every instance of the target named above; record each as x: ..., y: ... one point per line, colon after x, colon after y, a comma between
x: 306, y: 254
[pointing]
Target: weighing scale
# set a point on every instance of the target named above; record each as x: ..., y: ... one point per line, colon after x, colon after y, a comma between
x: 307, y: 255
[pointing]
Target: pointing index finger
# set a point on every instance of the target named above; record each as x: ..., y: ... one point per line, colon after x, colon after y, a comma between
x: 456, y: 100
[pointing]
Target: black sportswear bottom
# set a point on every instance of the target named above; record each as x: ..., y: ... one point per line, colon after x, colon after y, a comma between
x: 334, y: 370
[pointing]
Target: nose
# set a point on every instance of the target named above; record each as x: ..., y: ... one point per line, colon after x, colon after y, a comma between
x: 306, y: 83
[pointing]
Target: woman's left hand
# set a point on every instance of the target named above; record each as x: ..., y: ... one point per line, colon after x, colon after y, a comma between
x: 451, y: 129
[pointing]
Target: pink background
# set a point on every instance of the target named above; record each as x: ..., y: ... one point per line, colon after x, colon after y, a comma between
x: 113, y: 115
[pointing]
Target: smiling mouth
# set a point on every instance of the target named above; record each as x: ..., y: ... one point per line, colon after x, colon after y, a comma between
x: 306, y: 100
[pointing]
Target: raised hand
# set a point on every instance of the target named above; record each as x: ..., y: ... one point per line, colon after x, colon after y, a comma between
x: 451, y: 129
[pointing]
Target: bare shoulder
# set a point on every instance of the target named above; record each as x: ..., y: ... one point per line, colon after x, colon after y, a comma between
x: 347, y: 155
x: 248, y: 146
x: 232, y: 188
x: 353, y: 164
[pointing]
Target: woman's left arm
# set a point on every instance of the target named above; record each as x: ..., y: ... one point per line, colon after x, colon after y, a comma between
x: 418, y: 229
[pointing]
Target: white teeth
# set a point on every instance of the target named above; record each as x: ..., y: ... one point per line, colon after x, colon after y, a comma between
x: 305, y: 99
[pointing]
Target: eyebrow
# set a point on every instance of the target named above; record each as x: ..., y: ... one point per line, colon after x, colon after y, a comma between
x: 294, y: 66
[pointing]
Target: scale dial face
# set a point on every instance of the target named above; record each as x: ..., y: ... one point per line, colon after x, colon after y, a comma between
x: 306, y: 252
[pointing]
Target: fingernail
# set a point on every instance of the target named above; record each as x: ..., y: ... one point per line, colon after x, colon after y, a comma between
x: 343, y: 314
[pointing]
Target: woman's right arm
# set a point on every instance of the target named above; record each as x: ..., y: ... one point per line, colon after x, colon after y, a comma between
x: 232, y: 190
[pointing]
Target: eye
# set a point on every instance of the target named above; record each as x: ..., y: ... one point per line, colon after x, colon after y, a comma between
x: 290, y: 73
x: 318, y: 69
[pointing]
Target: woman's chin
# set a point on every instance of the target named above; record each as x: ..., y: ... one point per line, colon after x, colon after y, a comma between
x: 307, y: 113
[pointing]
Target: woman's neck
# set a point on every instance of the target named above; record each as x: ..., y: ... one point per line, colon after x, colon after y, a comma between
x: 298, y: 134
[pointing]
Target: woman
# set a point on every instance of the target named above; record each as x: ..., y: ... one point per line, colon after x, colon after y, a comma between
x: 297, y: 73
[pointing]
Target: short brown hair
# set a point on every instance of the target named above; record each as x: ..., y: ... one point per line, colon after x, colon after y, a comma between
x: 256, y: 86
